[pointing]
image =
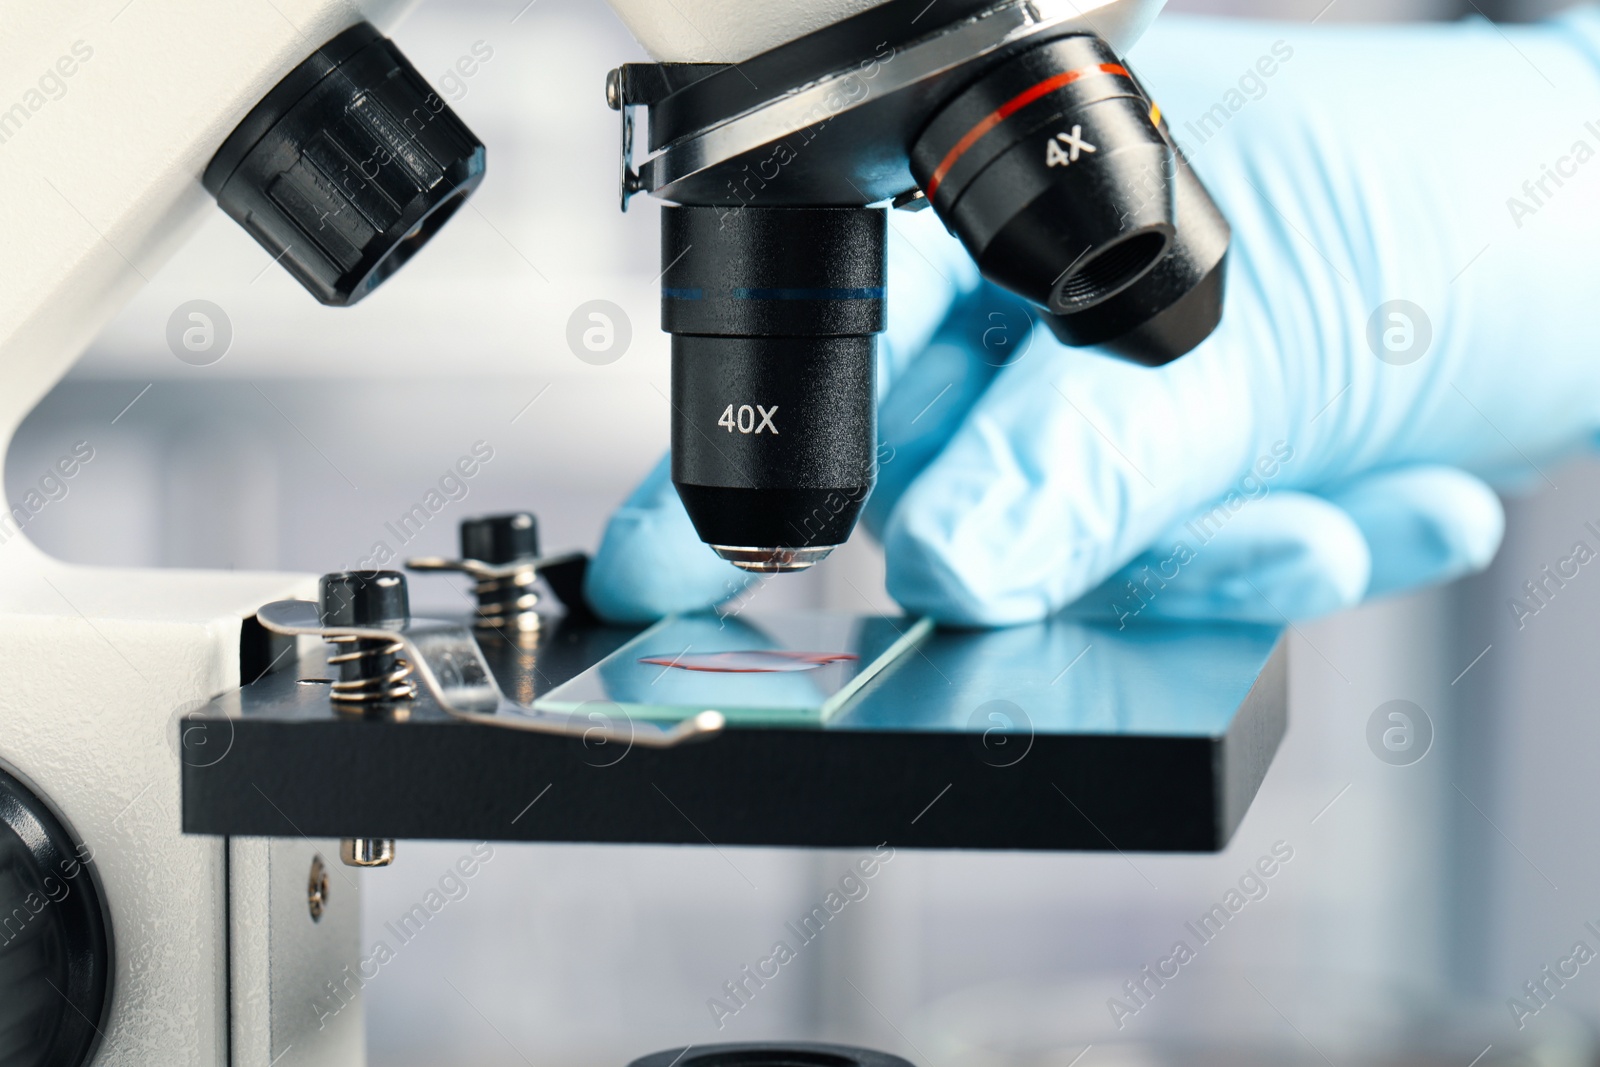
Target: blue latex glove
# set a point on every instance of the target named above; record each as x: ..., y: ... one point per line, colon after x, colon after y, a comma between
x: 1282, y: 469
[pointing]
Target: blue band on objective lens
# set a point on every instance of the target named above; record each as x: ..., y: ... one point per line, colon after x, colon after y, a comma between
x: 877, y: 293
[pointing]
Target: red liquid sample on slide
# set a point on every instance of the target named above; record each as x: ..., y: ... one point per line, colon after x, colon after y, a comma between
x: 753, y: 661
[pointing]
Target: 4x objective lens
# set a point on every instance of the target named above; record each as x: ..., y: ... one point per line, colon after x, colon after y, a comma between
x: 1055, y: 171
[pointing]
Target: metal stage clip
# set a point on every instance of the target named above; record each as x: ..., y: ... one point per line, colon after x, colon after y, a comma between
x: 447, y: 659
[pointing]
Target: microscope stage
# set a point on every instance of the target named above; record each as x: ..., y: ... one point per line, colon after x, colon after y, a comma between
x: 1067, y: 735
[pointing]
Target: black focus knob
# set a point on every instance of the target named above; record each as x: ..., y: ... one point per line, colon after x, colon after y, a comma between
x: 347, y: 167
x: 500, y: 538
x: 363, y: 598
x: 55, y: 938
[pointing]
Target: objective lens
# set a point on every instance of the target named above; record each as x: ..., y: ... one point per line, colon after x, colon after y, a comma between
x: 772, y: 313
x: 1057, y: 175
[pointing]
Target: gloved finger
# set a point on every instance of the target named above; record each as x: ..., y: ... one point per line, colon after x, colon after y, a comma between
x: 1424, y: 523
x: 1287, y: 555
x: 1066, y: 467
x: 652, y: 563
x: 985, y: 329
x: 929, y: 273
x: 919, y: 416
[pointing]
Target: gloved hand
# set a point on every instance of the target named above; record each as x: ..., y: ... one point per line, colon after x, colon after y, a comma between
x: 1326, y: 443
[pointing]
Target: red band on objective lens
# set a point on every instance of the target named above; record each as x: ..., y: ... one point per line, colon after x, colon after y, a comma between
x: 1009, y: 108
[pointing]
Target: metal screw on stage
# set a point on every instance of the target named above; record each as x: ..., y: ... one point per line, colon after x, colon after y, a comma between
x: 500, y: 553
x: 317, y: 889
x: 372, y: 671
x: 367, y: 851
x: 507, y: 602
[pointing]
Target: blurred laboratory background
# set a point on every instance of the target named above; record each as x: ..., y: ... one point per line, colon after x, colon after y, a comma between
x: 1418, y: 898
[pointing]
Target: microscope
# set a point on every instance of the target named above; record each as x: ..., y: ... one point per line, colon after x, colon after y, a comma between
x: 184, y: 754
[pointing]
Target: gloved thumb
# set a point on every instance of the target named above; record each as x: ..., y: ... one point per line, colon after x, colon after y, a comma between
x: 652, y: 563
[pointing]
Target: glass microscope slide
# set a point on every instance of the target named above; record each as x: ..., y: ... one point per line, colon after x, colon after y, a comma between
x: 796, y: 668
x: 1071, y: 675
